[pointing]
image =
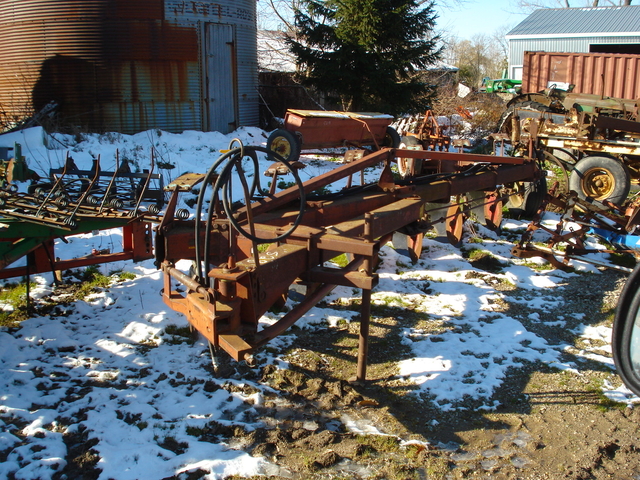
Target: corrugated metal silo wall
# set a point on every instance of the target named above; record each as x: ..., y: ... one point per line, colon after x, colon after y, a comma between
x: 241, y: 15
x: 117, y: 65
x: 152, y: 70
x: 247, y: 51
x: 36, y: 40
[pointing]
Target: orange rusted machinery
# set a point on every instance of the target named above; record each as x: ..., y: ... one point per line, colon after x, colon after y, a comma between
x: 246, y: 256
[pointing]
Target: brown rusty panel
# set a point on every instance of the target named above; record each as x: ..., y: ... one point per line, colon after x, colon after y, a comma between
x: 458, y: 158
x: 278, y: 269
x: 179, y: 243
x: 337, y: 243
x: 488, y: 180
x: 385, y: 219
x: 329, y: 212
x: 149, y: 40
x: 321, y: 129
x: 621, y: 72
x: 235, y: 346
x: 338, y: 276
x: 109, y: 64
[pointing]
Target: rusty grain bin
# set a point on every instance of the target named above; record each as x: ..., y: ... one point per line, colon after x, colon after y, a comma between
x: 131, y: 65
x: 608, y: 74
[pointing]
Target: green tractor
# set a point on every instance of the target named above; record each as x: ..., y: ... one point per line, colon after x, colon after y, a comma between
x: 501, y: 85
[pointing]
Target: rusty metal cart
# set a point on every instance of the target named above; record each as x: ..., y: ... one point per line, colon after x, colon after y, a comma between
x: 313, y: 129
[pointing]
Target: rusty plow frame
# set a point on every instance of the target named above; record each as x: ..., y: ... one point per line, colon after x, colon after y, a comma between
x: 245, y: 258
x: 615, y: 224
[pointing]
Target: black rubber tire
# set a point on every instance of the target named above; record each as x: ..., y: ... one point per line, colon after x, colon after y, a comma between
x: 287, y: 144
x: 625, y: 332
x: 567, y: 157
x: 530, y: 200
x: 391, y: 139
x: 598, y: 178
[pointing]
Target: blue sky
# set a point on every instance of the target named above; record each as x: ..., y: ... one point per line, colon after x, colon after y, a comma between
x: 463, y: 21
x: 478, y: 17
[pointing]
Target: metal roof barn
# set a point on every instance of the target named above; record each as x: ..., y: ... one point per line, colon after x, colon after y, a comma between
x: 131, y: 65
x: 606, y: 30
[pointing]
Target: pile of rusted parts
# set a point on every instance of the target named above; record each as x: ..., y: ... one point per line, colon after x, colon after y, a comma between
x: 592, y: 142
x: 246, y: 255
x: 589, y: 149
x: 579, y: 218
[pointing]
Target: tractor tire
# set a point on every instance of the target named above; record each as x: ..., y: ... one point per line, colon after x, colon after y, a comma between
x: 599, y: 178
x: 391, y: 139
x: 285, y: 143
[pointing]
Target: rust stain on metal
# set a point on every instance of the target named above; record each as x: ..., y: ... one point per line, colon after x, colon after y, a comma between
x: 99, y: 61
x: 606, y: 74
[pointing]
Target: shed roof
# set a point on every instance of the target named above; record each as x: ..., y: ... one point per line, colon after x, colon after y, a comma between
x: 602, y: 21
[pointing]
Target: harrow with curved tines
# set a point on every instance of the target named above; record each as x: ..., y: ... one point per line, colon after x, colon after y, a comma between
x: 75, y: 203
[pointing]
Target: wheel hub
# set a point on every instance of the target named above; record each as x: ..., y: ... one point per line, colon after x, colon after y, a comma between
x: 598, y: 183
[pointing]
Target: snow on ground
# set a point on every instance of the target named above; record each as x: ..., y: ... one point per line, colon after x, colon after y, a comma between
x: 113, y: 368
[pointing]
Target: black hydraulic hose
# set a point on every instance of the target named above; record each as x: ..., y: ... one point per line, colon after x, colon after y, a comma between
x: 206, y: 181
x: 227, y: 203
x: 222, y: 192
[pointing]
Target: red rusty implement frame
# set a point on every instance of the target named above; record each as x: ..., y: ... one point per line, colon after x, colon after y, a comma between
x: 19, y: 238
x: 234, y: 284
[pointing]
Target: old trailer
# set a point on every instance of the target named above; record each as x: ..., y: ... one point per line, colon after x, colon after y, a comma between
x: 314, y: 129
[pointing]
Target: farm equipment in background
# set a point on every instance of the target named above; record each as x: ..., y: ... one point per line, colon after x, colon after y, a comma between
x: 420, y: 133
x: 314, y: 129
x: 247, y: 253
x: 617, y: 226
x: 500, y: 85
x: 592, y: 144
x: 13, y: 168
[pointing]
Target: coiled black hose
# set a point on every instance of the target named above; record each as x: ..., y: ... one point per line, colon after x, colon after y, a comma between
x: 222, y: 190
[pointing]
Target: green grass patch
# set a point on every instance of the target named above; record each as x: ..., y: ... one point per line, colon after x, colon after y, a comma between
x: 177, y: 335
x: 263, y: 247
x: 92, y: 281
x: 341, y: 260
x: 122, y: 275
x: 623, y: 259
x: 379, y: 443
x: 14, y: 295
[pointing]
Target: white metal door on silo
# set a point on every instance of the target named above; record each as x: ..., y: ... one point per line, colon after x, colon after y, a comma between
x: 219, y: 71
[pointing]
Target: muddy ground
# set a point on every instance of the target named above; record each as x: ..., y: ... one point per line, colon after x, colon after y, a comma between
x: 551, y: 424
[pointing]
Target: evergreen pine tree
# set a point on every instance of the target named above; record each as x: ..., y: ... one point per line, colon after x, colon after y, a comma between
x: 366, y: 54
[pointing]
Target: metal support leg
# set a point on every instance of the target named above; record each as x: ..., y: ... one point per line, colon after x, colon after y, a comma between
x: 365, y: 311
x: 363, y: 345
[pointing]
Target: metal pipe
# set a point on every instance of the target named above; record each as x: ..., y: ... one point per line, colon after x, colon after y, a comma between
x: 185, y: 280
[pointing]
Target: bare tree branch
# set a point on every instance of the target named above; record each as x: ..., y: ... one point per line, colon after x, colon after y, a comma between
x: 530, y: 5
